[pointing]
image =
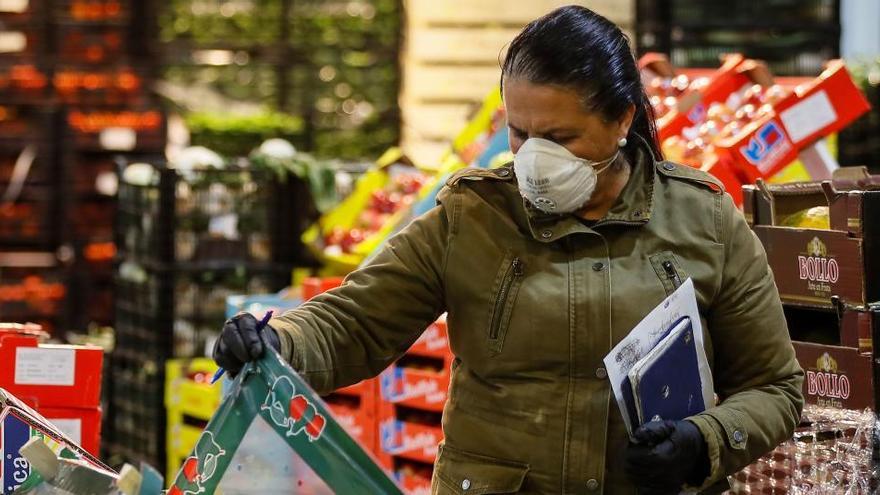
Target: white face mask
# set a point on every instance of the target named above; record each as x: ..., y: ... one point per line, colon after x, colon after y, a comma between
x: 553, y: 179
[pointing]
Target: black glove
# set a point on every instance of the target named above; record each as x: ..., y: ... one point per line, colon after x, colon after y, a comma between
x: 668, y: 455
x: 240, y: 342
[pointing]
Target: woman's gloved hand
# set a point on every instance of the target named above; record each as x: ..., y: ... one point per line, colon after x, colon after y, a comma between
x: 241, y: 342
x: 668, y: 455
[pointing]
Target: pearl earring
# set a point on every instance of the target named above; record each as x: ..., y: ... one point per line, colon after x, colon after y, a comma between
x: 621, y: 142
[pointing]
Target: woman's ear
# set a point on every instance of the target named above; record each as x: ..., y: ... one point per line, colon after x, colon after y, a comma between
x: 626, y: 120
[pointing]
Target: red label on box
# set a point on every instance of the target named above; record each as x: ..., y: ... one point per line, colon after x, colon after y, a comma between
x: 835, y: 376
x: 412, y: 441
x: 51, y: 375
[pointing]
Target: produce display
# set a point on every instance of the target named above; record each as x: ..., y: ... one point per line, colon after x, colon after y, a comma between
x: 400, y: 193
x: 697, y: 145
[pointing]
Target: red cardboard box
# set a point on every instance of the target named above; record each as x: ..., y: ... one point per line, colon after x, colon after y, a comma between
x: 51, y: 375
x: 409, y: 440
x: 358, y: 420
x: 434, y: 342
x: 313, y: 286
x: 417, y: 388
x: 83, y: 426
x: 812, y: 111
x: 414, y: 481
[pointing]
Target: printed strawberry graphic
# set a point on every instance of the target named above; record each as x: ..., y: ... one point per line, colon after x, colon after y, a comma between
x: 174, y: 491
x: 191, y: 469
x: 298, y: 406
x: 316, y: 426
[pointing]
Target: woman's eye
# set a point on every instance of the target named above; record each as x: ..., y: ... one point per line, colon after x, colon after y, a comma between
x: 561, y: 139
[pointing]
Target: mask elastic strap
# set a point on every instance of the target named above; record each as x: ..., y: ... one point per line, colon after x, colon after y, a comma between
x: 606, y: 163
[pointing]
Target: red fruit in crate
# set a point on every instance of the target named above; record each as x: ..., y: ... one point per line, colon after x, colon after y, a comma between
x: 655, y: 87
x: 775, y: 94
x: 191, y: 469
x: 335, y: 236
x: 395, y: 200
x: 680, y: 84
x: 316, y: 426
x: 746, y: 113
x: 298, y: 406
x: 378, y: 199
x: 753, y: 95
x: 719, y: 112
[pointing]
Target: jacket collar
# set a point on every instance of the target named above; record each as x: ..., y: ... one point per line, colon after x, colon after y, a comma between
x: 633, y: 206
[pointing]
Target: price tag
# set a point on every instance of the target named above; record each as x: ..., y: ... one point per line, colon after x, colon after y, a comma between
x: 37, y: 366
x: 118, y: 139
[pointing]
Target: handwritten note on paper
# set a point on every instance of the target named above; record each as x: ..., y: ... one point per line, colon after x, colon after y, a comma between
x: 643, y: 338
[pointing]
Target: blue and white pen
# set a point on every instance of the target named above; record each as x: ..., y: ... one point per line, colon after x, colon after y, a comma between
x: 260, y: 326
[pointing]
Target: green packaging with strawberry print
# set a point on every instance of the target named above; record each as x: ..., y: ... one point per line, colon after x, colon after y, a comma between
x: 273, y: 434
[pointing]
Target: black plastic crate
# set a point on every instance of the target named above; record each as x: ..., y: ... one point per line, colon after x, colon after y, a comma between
x: 23, y: 82
x: 101, y: 86
x: 138, y: 129
x: 209, y: 217
x: 32, y: 219
x: 91, y: 44
x: 92, y: 11
x: 37, y: 293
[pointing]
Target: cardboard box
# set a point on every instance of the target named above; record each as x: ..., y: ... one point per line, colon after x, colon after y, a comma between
x: 812, y: 111
x: 51, y: 375
x: 18, y: 424
x: 358, y: 420
x: 409, y: 440
x: 836, y: 376
x: 83, y: 426
x: 434, y: 342
x: 313, y: 286
x: 812, y: 265
x: 417, y: 388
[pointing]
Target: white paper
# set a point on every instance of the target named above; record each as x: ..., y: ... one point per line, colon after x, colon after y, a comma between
x: 118, y: 139
x: 12, y: 42
x: 808, y: 116
x: 646, y: 335
x: 42, y: 366
x: 72, y: 428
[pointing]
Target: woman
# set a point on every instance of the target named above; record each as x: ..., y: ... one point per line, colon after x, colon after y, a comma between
x: 543, y: 267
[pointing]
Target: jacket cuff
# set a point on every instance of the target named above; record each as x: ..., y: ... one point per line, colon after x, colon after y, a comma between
x: 291, y: 342
x: 712, y: 434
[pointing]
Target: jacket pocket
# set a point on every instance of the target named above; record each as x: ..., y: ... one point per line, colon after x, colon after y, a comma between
x: 669, y: 270
x: 462, y: 473
x: 507, y: 286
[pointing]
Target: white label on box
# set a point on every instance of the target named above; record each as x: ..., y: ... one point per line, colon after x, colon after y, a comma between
x: 118, y: 139
x: 12, y: 42
x: 36, y: 366
x: 14, y: 6
x: 808, y: 116
x: 70, y: 427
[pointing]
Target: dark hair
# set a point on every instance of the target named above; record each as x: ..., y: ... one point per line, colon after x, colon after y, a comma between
x: 577, y: 48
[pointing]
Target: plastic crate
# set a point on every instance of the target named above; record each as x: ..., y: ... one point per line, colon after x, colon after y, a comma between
x: 91, y: 44
x: 31, y: 220
x: 33, y: 293
x: 92, y: 11
x: 100, y: 86
x: 212, y: 216
x: 23, y: 82
x: 139, y: 129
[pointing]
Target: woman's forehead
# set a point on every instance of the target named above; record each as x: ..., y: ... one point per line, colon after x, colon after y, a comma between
x: 543, y: 107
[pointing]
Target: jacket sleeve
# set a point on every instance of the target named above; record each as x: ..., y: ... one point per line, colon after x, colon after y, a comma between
x: 356, y: 330
x: 756, y: 375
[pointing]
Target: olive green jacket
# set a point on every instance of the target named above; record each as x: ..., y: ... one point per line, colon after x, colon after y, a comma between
x: 534, y: 304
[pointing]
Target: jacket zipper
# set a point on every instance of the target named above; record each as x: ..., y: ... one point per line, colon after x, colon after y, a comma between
x: 672, y: 274
x: 514, y: 272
